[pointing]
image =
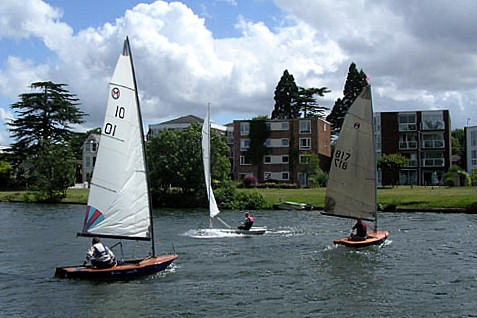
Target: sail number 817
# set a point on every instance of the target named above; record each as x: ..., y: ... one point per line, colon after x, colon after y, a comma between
x: 341, y: 159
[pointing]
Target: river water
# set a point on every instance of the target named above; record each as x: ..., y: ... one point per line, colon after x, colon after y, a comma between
x: 427, y: 267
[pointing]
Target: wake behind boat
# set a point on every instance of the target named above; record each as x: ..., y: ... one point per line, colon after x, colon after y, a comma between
x: 119, y: 203
x: 351, y: 190
x: 213, y: 207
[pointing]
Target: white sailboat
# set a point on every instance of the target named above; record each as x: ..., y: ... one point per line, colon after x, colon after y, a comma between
x: 351, y: 190
x: 213, y: 208
x: 119, y: 203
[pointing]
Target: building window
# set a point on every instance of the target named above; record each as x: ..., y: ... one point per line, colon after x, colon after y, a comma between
x: 304, y: 159
x: 411, y: 159
x: 407, y: 122
x: 408, y: 177
x: 432, y: 121
x: 407, y: 141
x: 244, y: 128
x: 284, y: 158
x: 305, y: 126
x: 433, y: 159
x: 280, y: 176
x: 432, y: 141
x: 244, y: 144
x: 285, y: 142
x: 473, y: 138
x: 267, y: 159
x: 305, y: 143
x: 87, y: 162
x: 244, y: 161
x: 279, y: 159
x: 285, y: 175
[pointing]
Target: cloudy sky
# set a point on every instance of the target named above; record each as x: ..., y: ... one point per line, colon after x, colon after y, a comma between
x: 419, y: 55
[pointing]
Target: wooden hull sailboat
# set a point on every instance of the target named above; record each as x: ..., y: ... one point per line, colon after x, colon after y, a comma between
x: 351, y: 190
x: 213, y: 207
x: 119, y: 203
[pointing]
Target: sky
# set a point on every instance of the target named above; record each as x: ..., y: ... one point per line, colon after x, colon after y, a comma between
x: 418, y: 55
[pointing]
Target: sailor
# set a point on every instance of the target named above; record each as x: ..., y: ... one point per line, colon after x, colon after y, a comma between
x: 247, y: 223
x: 361, y: 231
x: 100, y: 255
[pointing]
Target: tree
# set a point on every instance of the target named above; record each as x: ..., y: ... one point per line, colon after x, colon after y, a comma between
x: 5, y: 175
x: 175, y: 161
x: 458, y: 145
x: 285, y: 98
x: 258, y: 135
x: 316, y: 176
x: 391, y: 165
x: 307, y: 102
x: 355, y: 82
x: 43, y: 123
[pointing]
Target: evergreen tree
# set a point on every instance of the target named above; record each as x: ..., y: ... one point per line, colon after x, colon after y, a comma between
x: 43, y: 126
x: 355, y: 82
x: 308, y: 104
x: 286, y: 93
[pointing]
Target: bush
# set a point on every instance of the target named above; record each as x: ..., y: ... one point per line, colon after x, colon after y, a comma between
x: 249, y: 181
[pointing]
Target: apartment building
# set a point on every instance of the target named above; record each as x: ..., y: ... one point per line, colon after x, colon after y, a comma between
x: 423, y: 137
x: 470, y: 134
x: 90, y: 150
x: 305, y: 135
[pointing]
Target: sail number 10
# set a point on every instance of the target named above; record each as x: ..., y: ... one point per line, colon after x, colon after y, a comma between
x: 341, y: 159
x: 110, y: 129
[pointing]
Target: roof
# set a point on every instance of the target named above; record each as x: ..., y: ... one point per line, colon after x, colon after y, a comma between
x: 189, y: 119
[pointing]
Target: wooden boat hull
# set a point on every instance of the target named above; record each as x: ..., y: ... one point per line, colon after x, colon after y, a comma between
x: 128, y: 269
x: 373, y: 238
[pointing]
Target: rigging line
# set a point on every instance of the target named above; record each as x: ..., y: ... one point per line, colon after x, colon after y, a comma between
x: 112, y: 137
x: 123, y: 86
x: 103, y: 187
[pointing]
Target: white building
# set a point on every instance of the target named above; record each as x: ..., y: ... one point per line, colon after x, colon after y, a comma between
x: 470, y: 148
x: 90, y: 150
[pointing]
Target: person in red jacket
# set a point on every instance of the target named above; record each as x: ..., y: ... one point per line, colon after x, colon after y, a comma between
x: 247, y: 223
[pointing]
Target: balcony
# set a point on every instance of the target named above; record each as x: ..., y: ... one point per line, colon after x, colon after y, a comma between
x: 407, y: 127
x: 407, y: 145
x: 433, y: 162
x: 433, y: 144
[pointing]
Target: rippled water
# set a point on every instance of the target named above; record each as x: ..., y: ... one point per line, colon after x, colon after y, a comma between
x: 426, y: 268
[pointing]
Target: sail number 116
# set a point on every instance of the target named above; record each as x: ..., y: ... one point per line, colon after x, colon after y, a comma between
x: 341, y: 159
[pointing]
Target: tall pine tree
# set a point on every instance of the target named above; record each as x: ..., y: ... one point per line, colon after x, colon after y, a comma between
x: 355, y: 82
x: 286, y: 93
x: 308, y: 104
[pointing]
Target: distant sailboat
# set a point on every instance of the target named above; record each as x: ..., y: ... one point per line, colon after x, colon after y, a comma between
x: 213, y: 208
x: 351, y: 190
x: 119, y: 203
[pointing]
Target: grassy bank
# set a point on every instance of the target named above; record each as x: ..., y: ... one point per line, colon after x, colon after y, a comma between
x: 402, y: 196
x: 417, y: 198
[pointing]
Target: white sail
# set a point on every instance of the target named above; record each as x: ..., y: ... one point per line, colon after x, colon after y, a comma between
x: 118, y: 204
x: 351, y: 188
x: 213, y: 208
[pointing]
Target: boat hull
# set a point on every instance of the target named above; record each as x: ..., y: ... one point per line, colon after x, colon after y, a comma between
x: 128, y: 269
x: 292, y: 206
x: 373, y: 238
x: 252, y: 231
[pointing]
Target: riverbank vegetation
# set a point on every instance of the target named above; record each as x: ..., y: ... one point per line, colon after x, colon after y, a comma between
x: 397, y: 198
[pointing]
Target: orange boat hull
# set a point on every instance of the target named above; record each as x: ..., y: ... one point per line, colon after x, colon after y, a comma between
x: 373, y: 238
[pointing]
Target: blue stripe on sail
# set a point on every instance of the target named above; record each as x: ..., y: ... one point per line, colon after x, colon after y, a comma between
x: 94, y: 217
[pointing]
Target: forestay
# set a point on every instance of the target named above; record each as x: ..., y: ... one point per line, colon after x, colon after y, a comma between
x: 118, y: 204
x: 351, y: 189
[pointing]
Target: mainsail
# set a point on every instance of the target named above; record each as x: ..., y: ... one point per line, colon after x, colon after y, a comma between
x: 351, y: 188
x: 119, y: 204
x: 213, y: 208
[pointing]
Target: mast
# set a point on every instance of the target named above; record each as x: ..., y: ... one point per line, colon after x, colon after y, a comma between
x: 373, y: 128
x: 209, y: 177
x: 141, y: 129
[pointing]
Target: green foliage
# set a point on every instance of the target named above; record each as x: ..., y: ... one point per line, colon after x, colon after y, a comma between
x: 473, y: 178
x: 176, y: 170
x: 456, y: 176
x: 458, y: 141
x: 355, y: 82
x: 5, y: 175
x: 316, y: 176
x: 308, y: 104
x: 42, y: 156
x: 285, y: 98
x: 390, y: 165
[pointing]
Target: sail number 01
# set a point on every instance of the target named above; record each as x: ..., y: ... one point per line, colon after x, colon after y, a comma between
x: 110, y: 129
x: 341, y: 159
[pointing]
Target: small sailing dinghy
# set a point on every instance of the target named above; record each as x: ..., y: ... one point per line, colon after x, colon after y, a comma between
x: 351, y: 190
x: 213, y: 208
x: 119, y: 203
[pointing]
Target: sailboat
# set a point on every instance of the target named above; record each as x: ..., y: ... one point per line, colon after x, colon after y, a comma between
x: 119, y: 202
x: 213, y: 208
x: 351, y: 190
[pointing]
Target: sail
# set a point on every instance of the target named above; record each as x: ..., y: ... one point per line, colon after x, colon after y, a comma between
x: 213, y: 208
x: 118, y: 203
x: 351, y: 188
